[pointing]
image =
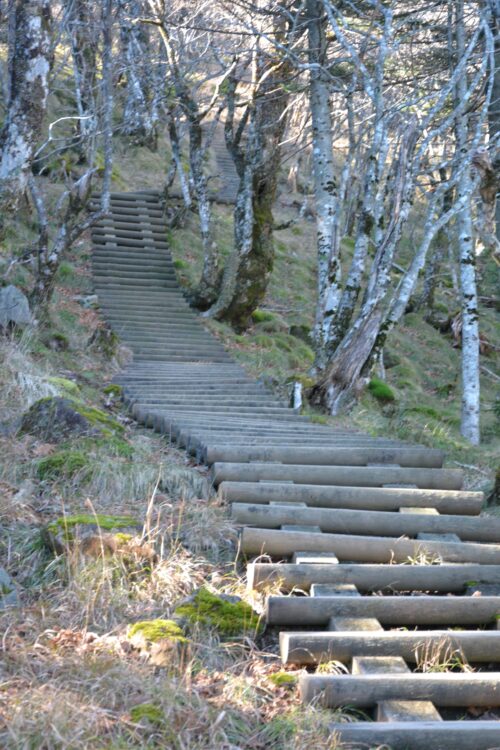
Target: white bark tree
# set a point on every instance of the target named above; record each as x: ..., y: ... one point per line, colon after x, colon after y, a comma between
x: 29, y: 68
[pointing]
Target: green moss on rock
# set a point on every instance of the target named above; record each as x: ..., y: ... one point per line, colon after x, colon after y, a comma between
x: 113, y: 389
x: 65, y: 386
x: 101, y: 520
x: 99, y: 418
x: 157, y: 630
x: 229, y: 616
x: 55, y: 419
x: 380, y: 390
x: 283, y: 679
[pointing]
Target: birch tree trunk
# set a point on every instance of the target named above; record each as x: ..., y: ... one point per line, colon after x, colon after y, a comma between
x: 470, y: 328
x: 137, y: 115
x: 83, y: 37
x: 30, y: 62
x: 494, y: 108
x: 325, y: 181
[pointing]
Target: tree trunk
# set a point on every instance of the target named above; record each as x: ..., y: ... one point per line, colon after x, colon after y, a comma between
x: 137, y: 117
x: 209, y: 284
x: 28, y: 87
x: 494, y: 108
x: 247, y: 271
x: 325, y: 181
x: 470, y: 328
x: 334, y: 389
x: 83, y: 34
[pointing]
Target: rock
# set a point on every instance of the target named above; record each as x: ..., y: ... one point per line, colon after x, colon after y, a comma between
x: 14, y: 307
x: 54, y: 419
x: 157, y: 639
x: 95, y: 535
x: 228, y: 616
x: 88, y: 301
x: 8, y: 593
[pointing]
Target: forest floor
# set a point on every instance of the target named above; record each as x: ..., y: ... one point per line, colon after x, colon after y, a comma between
x: 72, y: 676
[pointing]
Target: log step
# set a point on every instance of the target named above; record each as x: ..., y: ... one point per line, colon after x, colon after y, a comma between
x: 413, y: 646
x: 363, y: 691
x: 361, y: 476
x: 370, y: 523
x: 317, y: 568
x: 390, y: 610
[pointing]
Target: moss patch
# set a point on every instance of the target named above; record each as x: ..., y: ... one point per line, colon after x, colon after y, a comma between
x: 65, y: 386
x: 283, y: 679
x: 148, y: 712
x: 101, y: 520
x: 98, y: 418
x: 228, y: 618
x: 380, y: 390
x: 157, y: 630
x: 113, y: 389
x: 262, y: 316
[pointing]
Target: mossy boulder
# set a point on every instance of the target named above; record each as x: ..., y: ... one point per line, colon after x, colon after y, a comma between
x: 158, y: 639
x: 228, y: 616
x: 381, y: 391
x: 65, y: 386
x: 94, y: 535
x: 54, y: 419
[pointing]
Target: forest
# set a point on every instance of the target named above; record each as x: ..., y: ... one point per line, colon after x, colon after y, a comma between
x: 328, y: 174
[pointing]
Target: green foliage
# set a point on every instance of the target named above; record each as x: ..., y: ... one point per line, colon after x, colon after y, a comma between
x: 101, y: 520
x: 65, y: 272
x: 380, y: 390
x: 427, y: 411
x: 157, y: 630
x: 113, y: 389
x: 63, y: 463
x: 98, y: 418
x: 283, y: 679
x: 66, y: 387
x: 262, y: 316
x: 147, y: 711
x: 180, y: 264
x: 228, y: 618
x: 110, y: 444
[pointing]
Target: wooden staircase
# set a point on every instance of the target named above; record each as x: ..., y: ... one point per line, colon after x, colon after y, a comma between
x: 380, y: 556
